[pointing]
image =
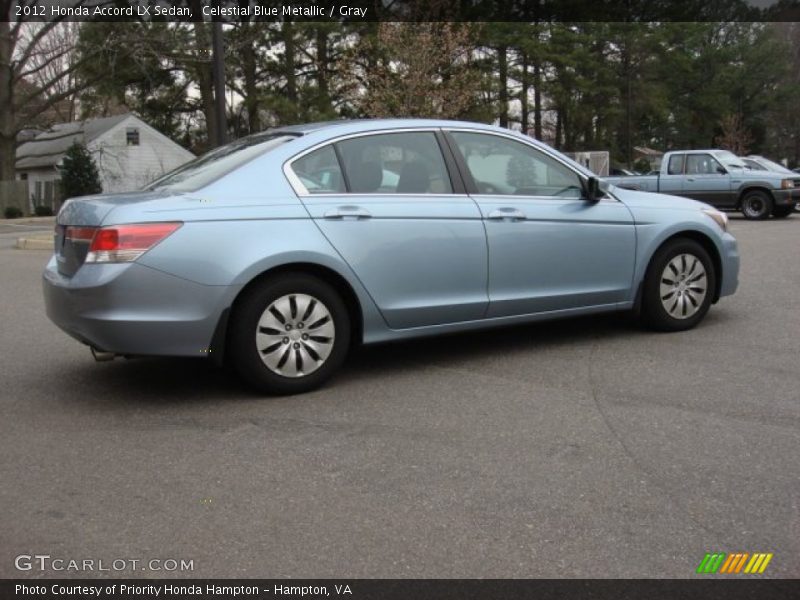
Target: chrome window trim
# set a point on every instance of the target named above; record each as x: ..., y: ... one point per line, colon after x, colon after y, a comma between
x: 301, y: 191
x: 385, y: 195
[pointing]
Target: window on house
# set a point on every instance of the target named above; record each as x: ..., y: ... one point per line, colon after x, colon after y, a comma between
x: 132, y: 136
x: 23, y: 176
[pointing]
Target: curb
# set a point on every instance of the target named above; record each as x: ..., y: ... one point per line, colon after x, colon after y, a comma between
x: 29, y: 221
x: 35, y: 243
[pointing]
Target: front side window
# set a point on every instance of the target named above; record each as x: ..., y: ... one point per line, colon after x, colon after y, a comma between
x: 501, y: 166
x: 702, y: 164
x: 395, y: 163
x: 319, y: 172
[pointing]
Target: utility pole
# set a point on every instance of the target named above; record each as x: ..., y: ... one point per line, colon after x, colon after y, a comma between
x: 218, y: 75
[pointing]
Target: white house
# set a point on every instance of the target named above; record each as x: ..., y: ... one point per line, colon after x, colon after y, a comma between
x: 128, y: 153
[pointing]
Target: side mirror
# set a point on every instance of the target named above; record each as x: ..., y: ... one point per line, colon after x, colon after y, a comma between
x: 593, y: 189
x: 722, y: 170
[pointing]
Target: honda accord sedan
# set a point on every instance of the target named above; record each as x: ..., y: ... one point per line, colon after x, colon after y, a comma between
x: 278, y: 252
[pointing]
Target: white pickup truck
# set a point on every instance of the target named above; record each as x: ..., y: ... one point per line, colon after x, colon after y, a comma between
x: 719, y: 178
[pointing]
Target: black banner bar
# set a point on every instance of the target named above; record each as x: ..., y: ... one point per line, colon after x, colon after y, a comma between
x: 394, y: 589
x: 401, y: 10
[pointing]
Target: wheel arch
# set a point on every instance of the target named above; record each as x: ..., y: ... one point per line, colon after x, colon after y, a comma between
x: 708, y: 245
x: 753, y: 188
x: 326, y: 274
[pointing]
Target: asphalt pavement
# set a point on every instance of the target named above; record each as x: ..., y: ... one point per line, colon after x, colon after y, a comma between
x: 580, y: 448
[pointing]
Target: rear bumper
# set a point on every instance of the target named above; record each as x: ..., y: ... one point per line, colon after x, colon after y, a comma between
x: 132, y: 309
x: 730, y: 265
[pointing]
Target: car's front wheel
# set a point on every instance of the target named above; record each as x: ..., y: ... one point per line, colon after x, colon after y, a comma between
x: 289, y: 334
x: 679, y: 286
x: 756, y: 205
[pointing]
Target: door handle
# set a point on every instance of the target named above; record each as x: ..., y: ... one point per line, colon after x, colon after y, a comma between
x: 506, y: 214
x: 690, y: 179
x: 348, y: 212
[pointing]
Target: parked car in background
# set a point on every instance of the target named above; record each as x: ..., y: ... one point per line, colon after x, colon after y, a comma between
x: 759, y: 163
x: 279, y: 251
x: 721, y: 179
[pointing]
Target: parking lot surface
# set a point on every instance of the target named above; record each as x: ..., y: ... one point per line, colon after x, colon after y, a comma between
x: 581, y: 448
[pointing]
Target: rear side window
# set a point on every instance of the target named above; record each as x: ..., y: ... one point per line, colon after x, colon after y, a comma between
x: 675, y: 166
x: 395, y: 163
x: 319, y: 172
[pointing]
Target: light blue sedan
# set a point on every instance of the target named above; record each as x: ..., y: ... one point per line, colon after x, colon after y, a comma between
x: 278, y: 252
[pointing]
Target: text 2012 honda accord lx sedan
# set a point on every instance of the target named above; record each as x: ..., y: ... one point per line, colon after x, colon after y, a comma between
x: 279, y: 251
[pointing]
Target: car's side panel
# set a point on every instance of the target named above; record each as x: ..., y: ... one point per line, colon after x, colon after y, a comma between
x: 565, y: 253
x: 423, y: 259
x: 652, y: 232
x: 235, y: 252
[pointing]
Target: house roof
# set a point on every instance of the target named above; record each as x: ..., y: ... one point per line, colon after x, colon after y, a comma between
x: 48, y: 148
x: 647, y: 151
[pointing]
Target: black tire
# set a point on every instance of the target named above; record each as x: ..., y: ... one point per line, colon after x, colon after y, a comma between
x: 781, y: 212
x: 653, y: 310
x: 756, y: 205
x: 246, y: 356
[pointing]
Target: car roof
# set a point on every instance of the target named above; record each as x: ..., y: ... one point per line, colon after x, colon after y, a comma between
x: 376, y: 124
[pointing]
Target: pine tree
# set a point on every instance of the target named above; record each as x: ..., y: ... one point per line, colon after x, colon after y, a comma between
x: 79, y: 176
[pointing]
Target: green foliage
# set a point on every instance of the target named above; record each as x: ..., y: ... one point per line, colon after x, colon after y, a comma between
x: 580, y: 86
x: 79, y: 176
x: 12, y: 212
x: 642, y: 166
x: 42, y: 210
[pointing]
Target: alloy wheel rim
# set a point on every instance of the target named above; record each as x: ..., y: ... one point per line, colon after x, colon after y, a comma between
x: 754, y: 207
x: 295, y: 335
x: 684, y: 285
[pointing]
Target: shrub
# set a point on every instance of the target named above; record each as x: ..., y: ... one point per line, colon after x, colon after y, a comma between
x: 79, y: 175
x: 642, y: 166
x: 12, y: 212
x: 41, y: 210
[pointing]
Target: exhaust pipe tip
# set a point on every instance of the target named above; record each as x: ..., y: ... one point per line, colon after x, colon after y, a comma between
x: 101, y: 356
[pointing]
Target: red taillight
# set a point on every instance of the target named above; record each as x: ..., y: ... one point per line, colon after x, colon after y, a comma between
x: 125, y: 243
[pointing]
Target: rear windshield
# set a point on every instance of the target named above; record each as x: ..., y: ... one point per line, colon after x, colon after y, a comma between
x: 211, y: 166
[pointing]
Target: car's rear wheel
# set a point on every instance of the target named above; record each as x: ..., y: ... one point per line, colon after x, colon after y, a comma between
x: 779, y: 212
x: 756, y: 205
x: 679, y: 286
x: 289, y: 334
